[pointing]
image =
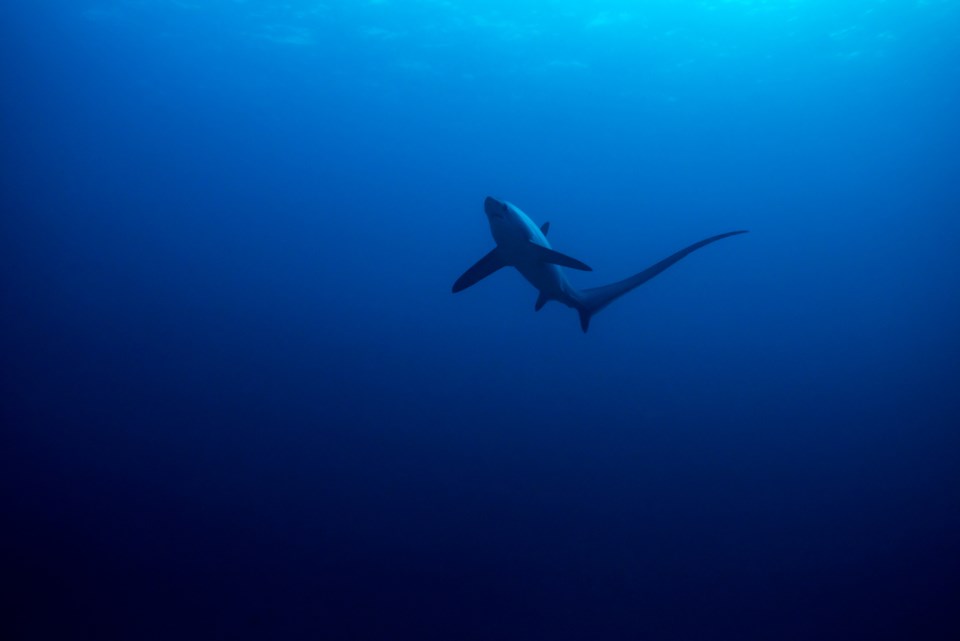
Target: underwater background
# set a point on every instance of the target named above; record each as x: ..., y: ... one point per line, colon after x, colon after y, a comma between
x: 240, y: 401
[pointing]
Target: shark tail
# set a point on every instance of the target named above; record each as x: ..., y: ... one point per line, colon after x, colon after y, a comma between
x: 588, y: 302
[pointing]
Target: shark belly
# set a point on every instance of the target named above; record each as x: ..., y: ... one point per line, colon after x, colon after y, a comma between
x: 548, y: 279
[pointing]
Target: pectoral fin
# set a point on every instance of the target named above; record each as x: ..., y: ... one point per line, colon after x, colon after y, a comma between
x: 548, y: 255
x: 480, y: 270
x: 541, y: 301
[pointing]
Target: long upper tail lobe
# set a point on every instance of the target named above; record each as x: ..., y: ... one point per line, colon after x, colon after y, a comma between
x: 590, y: 301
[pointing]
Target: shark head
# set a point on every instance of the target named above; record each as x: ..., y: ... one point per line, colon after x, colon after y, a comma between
x: 496, y: 209
x: 505, y: 219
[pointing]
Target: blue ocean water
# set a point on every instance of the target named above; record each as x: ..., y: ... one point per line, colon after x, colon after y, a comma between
x: 240, y: 401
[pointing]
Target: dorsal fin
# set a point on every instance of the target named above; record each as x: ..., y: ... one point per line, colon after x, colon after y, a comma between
x: 545, y: 228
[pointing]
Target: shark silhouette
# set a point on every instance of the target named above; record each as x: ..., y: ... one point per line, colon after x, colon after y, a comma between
x: 523, y: 245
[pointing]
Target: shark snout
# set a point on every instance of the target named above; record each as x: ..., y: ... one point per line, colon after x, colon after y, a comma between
x: 494, y: 208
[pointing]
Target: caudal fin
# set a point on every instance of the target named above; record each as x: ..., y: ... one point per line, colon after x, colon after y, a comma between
x: 591, y: 301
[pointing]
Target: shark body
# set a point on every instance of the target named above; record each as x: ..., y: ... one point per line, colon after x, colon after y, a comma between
x: 524, y: 246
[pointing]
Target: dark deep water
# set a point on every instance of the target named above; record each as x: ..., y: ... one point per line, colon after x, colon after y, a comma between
x: 239, y: 400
